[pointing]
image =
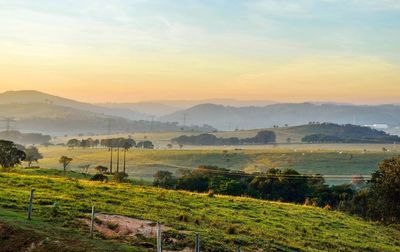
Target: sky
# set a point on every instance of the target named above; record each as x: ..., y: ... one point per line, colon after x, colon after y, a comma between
x: 137, y: 50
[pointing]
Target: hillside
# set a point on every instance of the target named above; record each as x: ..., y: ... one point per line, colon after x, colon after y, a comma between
x: 27, y: 97
x: 329, y: 132
x: 222, y: 221
x: 59, y: 120
x: 229, y: 118
x: 38, y: 112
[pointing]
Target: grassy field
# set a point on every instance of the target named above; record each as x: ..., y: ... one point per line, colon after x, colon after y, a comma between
x: 340, y: 159
x: 221, y: 221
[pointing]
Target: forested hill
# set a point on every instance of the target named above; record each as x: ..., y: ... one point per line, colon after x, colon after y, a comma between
x: 335, y: 133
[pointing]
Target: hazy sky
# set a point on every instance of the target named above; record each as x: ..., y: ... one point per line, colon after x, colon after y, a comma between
x: 131, y: 50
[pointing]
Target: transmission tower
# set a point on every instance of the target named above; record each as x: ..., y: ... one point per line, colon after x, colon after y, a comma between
x: 7, y: 122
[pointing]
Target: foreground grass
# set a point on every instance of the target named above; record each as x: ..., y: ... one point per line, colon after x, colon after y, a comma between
x: 18, y: 234
x: 221, y: 221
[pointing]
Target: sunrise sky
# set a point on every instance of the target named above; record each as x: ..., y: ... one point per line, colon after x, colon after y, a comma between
x: 134, y: 50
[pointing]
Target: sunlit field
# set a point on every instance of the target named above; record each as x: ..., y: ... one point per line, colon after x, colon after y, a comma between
x: 326, y: 159
x: 222, y: 221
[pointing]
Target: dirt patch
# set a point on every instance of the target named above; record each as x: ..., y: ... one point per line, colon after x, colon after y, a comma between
x: 117, y: 226
x: 112, y: 226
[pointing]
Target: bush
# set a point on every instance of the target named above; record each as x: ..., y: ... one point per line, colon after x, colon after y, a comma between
x: 99, y: 177
x: 120, y: 177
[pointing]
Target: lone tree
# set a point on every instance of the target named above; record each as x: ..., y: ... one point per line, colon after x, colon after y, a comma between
x: 65, y: 161
x: 127, y: 144
x: 10, y: 154
x: 32, y: 155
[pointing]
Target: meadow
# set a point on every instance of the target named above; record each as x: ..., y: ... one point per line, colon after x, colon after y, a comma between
x: 223, y: 222
x: 328, y: 159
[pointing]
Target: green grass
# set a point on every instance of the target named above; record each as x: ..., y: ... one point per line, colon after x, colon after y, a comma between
x: 340, y: 159
x: 18, y: 234
x: 221, y: 221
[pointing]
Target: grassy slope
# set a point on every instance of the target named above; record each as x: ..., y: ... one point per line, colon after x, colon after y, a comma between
x: 18, y: 234
x: 221, y: 221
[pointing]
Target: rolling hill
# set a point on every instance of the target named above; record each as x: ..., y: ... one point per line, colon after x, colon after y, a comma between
x: 34, y: 111
x: 62, y: 207
x: 25, y: 97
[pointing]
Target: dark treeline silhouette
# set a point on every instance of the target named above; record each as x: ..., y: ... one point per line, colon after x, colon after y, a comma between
x: 334, y: 133
x: 376, y: 199
x: 110, y: 143
x: 262, y: 137
x: 24, y: 138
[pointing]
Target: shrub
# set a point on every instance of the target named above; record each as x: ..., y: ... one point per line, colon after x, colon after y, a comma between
x: 120, y: 177
x: 99, y: 177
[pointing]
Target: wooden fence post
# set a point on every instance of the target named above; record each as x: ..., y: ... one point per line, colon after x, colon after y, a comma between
x: 30, y: 204
x: 92, y: 222
x: 159, y: 238
x: 197, y: 243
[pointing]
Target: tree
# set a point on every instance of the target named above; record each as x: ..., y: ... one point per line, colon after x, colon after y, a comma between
x: 73, y: 143
x: 145, y: 145
x: 385, y: 191
x: 127, y: 144
x: 101, y: 169
x: 164, y: 179
x: 10, y: 154
x: 65, y: 161
x: 225, y: 185
x: 32, y: 155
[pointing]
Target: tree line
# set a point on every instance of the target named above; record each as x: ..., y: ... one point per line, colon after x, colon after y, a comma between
x: 262, y: 137
x: 110, y: 143
x: 377, y: 199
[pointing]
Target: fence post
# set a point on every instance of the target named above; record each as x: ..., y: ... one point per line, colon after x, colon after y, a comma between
x: 92, y: 222
x: 197, y: 243
x: 159, y: 238
x: 30, y: 204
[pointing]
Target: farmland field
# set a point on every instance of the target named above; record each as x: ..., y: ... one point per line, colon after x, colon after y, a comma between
x: 328, y: 159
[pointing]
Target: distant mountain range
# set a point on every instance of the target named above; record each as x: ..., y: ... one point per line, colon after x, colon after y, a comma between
x: 229, y: 118
x: 160, y: 108
x: 33, y: 111
x: 37, y: 111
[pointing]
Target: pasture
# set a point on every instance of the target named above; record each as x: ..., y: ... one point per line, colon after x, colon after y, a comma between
x: 329, y: 159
